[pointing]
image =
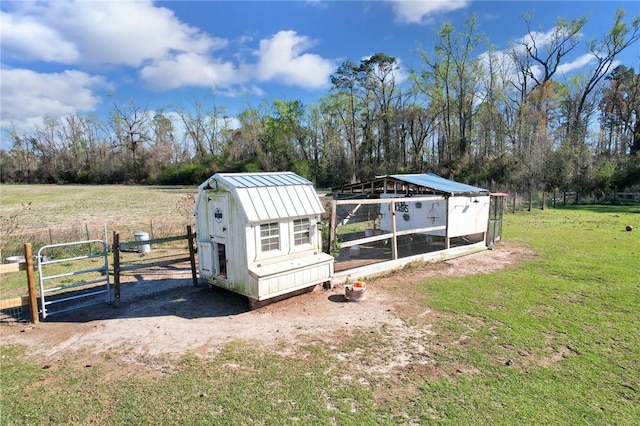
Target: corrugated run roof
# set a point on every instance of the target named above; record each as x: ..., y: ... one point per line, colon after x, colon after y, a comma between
x: 272, y: 196
x: 440, y: 184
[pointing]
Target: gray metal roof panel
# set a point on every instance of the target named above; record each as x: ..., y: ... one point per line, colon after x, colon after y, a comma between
x: 441, y: 184
x: 254, y: 180
x: 272, y: 196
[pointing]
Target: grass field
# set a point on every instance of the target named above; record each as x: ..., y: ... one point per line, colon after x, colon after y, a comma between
x: 553, y: 341
x: 53, y: 214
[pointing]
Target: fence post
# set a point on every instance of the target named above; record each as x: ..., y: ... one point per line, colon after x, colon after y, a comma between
x: 394, y: 238
x: 192, y: 256
x: 447, y: 241
x: 31, y: 283
x: 116, y: 264
x: 332, y: 227
x: 86, y: 230
x: 106, y: 235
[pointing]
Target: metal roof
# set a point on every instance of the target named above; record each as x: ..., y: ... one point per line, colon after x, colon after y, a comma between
x: 271, y: 196
x: 429, y: 182
x: 440, y: 184
x: 261, y: 180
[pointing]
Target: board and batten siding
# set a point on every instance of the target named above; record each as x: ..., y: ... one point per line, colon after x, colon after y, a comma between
x: 254, y: 199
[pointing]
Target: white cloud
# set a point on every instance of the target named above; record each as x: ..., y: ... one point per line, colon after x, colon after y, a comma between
x: 168, y: 53
x: 26, y: 38
x: 576, y: 64
x: 189, y: 69
x: 541, y: 40
x: 28, y: 96
x: 138, y: 36
x: 109, y: 32
x: 419, y: 11
x: 281, y: 59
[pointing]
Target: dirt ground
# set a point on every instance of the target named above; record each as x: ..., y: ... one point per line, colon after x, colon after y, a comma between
x: 153, y: 329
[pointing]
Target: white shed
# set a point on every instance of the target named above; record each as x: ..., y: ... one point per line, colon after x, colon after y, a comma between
x: 258, y: 234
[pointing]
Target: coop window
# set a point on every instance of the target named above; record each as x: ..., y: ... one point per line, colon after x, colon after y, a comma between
x: 269, y: 236
x: 301, y: 231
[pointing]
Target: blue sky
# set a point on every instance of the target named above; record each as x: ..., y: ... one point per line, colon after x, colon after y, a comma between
x: 79, y: 57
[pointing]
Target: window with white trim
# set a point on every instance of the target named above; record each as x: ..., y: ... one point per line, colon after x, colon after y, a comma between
x: 301, y: 232
x: 270, y: 236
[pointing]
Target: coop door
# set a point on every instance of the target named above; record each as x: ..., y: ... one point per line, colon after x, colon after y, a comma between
x: 205, y: 258
x: 219, y: 216
x: 221, y: 261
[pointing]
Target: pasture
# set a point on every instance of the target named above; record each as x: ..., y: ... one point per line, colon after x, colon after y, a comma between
x: 549, y: 336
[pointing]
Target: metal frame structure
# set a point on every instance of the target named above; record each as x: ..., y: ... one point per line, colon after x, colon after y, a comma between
x: 91, y: 288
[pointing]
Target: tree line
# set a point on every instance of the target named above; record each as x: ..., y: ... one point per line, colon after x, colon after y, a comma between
x: 505, y: 120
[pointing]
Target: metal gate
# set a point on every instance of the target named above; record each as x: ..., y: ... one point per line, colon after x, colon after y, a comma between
x: 75, y: 295
x: 496, y: 213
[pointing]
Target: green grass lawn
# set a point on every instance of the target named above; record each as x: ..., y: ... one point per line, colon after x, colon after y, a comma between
x: 553, y: 340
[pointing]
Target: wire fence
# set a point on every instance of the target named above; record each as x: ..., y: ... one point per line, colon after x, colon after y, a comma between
x: 518, y: 201
x: 369, y: 231
x: 11, y: 244
x: 163, y: 262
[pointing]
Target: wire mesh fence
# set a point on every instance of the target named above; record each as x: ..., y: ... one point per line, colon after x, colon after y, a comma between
x: 526, y: 201
x: 15, y: 314
x: 156, y: 228
x: 369, y: 231
x: 14, y: 285
x: 166, y: 260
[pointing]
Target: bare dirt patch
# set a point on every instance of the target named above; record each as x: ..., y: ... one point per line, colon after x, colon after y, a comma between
x: 152, y: 329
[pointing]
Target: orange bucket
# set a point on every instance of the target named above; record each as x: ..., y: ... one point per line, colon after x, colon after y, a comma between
x: 359, y: 285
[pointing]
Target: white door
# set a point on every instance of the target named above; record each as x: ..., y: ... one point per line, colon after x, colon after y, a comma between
x: 219, y: 217
x: 205, y: 258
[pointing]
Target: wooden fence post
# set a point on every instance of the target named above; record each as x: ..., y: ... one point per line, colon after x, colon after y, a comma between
x: 192, y: 255
x: 447, y: 240
x: 31, y: 283
x: 394, y: 228
x: 333, y: 223
x: 116, y: 264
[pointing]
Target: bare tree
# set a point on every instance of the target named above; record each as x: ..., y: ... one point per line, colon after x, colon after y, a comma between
x: 604, y: 51
x: 132, y: 131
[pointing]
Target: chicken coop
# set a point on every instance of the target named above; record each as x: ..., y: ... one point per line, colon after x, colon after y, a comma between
x: 259, y: 235
x: 389, y: 221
